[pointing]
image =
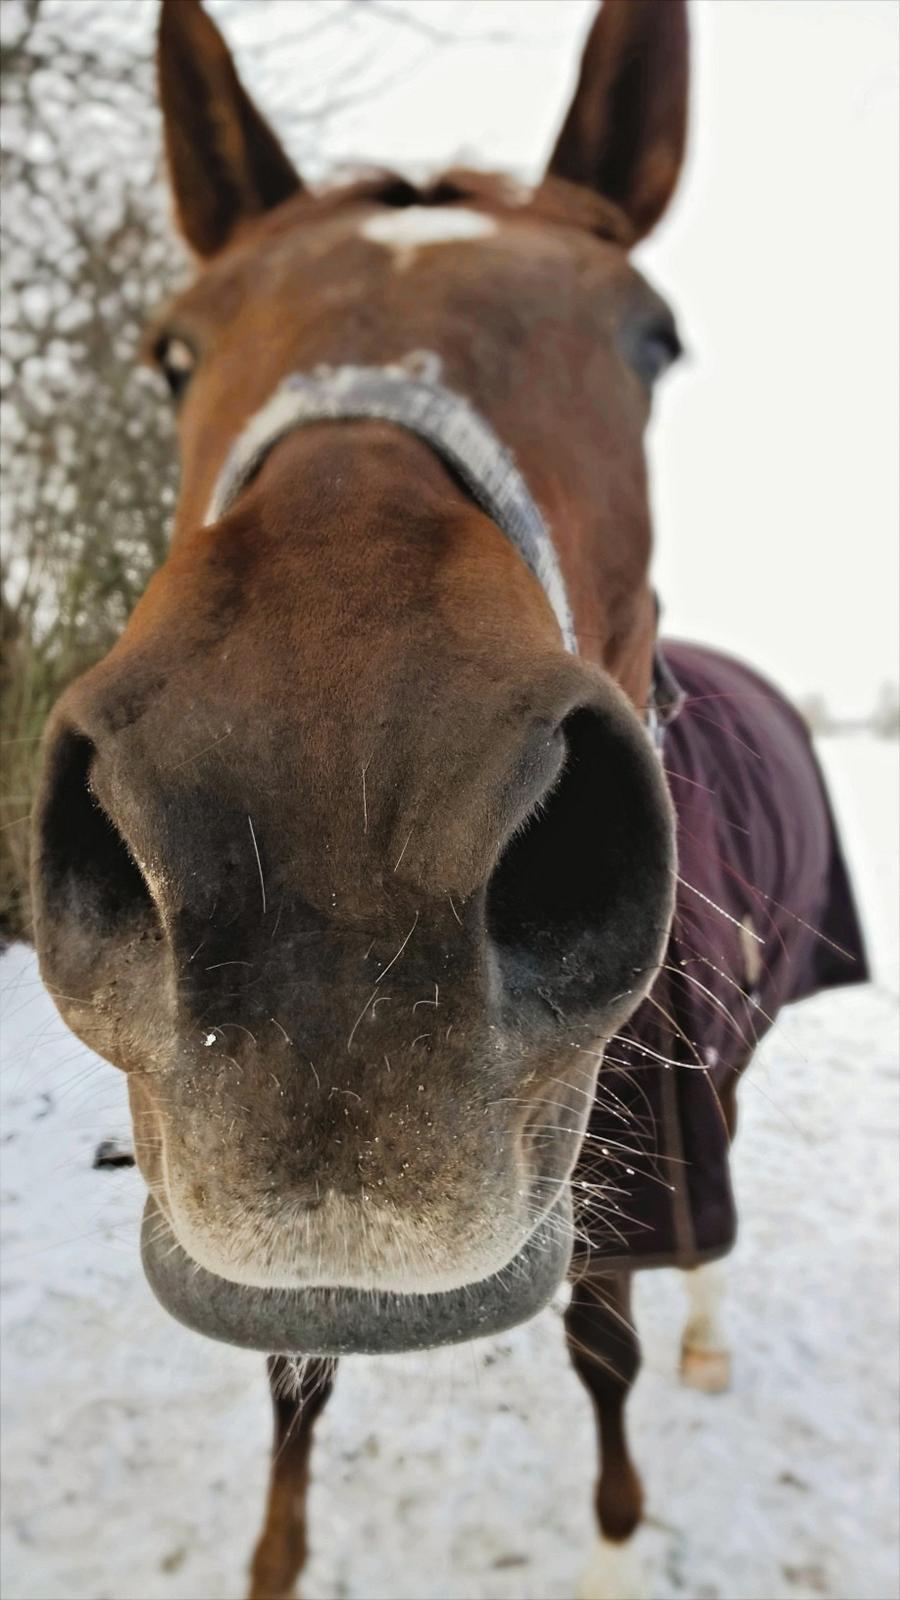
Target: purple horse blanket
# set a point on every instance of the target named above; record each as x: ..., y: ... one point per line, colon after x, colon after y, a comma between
x: 764, y: 916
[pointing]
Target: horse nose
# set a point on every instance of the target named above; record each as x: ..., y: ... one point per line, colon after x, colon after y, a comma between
x: 128, y: 868
x: 89, y: 891
x: 137, y: 861
x: 130, y: 850
x: 578, y: 906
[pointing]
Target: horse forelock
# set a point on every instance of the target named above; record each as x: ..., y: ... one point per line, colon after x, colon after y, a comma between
x: 553, y: 200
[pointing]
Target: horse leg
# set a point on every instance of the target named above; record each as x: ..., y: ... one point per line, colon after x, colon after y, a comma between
x: 705, y: 1357
x: 299, y: 1391
x: 605, y: 1352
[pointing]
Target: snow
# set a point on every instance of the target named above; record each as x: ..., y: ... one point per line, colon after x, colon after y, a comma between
x: 135, y: 1452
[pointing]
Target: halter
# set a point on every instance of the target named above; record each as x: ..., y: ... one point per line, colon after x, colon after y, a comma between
x: 412, y: 395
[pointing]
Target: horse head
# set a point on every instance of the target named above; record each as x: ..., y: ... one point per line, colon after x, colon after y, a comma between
x: 355, y: 849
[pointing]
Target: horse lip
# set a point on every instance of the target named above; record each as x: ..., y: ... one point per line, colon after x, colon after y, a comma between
x: 345, y: 1321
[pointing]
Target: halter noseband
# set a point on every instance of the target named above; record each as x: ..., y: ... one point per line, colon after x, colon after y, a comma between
x: 411, y: 395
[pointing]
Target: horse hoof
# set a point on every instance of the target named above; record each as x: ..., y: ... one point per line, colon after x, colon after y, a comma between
x: 706, y: 1370
x: 614, y: 1573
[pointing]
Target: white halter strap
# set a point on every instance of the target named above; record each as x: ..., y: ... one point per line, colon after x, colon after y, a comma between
x: 412, y: 396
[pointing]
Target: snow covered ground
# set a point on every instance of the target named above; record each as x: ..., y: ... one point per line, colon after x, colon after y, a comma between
x: 135, y: 1452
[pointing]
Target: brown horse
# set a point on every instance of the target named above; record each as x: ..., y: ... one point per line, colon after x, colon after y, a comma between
x: 357, y: 850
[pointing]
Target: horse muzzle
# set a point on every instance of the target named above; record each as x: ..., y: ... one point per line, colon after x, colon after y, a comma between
x: 338, y: 1321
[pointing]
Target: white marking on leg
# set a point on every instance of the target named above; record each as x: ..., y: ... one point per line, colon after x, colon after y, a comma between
x: 705, y: 1359
x: 704, y: 1329
x: 616, y: 1571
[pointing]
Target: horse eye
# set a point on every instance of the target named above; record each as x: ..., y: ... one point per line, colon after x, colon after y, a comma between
x: 176, y: 361
x: 651, y: 349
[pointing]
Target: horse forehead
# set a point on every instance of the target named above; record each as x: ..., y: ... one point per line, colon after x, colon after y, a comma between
x: 412, y: 227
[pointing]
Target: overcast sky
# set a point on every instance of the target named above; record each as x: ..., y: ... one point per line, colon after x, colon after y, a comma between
x: 774, y: 450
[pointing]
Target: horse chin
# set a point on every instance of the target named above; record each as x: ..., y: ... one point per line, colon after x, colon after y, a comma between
x: 346, y: 1321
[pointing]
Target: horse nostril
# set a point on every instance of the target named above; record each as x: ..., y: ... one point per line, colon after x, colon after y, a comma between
x: 579, y: 902
x: 83, y: 868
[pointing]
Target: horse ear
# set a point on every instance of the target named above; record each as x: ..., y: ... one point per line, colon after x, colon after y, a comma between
x: 625, y: 131
x: 225, y: 163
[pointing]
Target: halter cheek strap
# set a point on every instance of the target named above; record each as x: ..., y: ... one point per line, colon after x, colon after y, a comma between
x: 411, y: 395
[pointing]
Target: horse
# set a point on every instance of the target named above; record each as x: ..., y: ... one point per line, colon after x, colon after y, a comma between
x: 431, y: 904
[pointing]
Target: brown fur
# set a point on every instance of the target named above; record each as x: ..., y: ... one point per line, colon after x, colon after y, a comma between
x: 605, y: 1353
x: 282, y: 1548
x: 328, y: 747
